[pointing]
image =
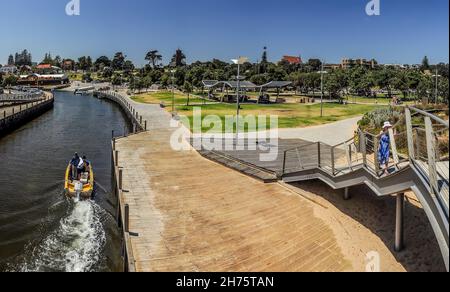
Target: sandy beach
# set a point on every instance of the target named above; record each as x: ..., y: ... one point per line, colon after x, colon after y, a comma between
x: 366, y: 223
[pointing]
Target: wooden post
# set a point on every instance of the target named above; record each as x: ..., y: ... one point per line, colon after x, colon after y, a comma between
x: 431, y: 150
x: 127, y: 218
x: 409, y: 131
x: 140, y: 120
x: 145, y: 125
x: 116, y: 155
x: 114, y: 144
x: 319, y: 158
x: 284, y: 162
x: 120, y: 179
x: 346, y: 194
x: 399, y: 223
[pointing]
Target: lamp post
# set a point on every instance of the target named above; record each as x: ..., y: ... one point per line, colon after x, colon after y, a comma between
x: 437, y: 86
x: 322, y: 73
x: 173, y: 91
x: 240, y: 61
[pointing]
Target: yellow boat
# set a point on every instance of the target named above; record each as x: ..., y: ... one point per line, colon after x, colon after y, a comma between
x: 83, y: 187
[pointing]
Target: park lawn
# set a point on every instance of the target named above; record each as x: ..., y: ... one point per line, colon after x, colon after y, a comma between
x: 164, y: 97
x: 289, y: 115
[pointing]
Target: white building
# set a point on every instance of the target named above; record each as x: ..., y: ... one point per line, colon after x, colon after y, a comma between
x: 8, y: 69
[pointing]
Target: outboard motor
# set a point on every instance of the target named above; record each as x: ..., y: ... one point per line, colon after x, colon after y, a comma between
x: 78, y: 189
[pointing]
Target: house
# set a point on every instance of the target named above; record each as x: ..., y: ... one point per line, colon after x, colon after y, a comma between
x: 39, y: 80
x: 350, y: 63
x: 8, y: 69
x: 47, y: 69
x: 292, y: 60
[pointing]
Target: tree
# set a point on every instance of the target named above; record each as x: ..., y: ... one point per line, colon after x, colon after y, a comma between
x: 101, y: 63
x: 9, y: 80
x: 11, y: 60
x: 118, y: 61
x: 57, y: 61
x: 128, y: 66
x: 425, y: 64
x: 187, y: 87
x: 178, y: 59
x: 264, y: 62
x: 314, y: 64
x: 47, y: 59
x: 154, y: 58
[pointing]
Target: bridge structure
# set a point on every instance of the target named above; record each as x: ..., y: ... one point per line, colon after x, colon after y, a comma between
x: 420, y: 155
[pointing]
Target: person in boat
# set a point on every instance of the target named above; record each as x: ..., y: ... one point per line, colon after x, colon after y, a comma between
x: 74, y: 165
x: 86, y: 164
x: 80, y: 168
x: 384, y: 150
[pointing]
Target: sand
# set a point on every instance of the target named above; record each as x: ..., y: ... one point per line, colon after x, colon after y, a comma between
x: 366, y: 223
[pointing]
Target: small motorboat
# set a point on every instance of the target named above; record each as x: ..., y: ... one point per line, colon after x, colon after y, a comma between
x: 81, y: 187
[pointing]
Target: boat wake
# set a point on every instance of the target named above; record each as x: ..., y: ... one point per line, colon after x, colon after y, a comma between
x: 75, y: 245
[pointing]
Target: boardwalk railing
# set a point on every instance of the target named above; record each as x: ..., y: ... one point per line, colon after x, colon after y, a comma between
x: 18, y: 109
x: 428, y: 146
x: 139, y: 124
x: 11, y: 98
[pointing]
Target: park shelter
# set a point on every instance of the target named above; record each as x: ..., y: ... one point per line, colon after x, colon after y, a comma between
x: 278, y: 85
x: 226, y: 85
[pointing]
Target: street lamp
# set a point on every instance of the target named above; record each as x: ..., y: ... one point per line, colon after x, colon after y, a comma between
x: 437, y: 86
x: 322, y: 73
x: 173, y: 91
x: 240, y: 61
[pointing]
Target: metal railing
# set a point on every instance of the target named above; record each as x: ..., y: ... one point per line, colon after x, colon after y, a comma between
x: 428, y: 147
x: 21, y: 97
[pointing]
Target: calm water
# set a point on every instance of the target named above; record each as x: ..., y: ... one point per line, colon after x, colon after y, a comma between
x: 40, y: 229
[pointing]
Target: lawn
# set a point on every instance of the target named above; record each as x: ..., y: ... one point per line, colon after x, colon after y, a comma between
x: 165, y: 97
x: 289, y: 115
x: 379, y: 100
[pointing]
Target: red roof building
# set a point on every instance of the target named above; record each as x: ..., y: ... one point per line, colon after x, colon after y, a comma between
x: 44, y: 66
x: 292, y: 60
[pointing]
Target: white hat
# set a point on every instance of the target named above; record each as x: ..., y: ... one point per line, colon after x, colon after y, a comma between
x: 387, y: 125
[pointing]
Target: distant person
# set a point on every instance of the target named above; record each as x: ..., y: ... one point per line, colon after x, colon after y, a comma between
x: 384, y: 151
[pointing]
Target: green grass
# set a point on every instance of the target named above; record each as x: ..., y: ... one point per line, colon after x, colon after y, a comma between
x: 289, y: 115
x: 379, y: 100
x: 164, y: 97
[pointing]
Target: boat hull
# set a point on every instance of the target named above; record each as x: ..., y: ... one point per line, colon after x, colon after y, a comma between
x: 88, y: 189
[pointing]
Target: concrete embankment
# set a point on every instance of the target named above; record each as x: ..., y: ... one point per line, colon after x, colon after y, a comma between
x: 13, y: 117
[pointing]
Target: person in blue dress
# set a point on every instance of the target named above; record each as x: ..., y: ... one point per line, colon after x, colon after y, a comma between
x: 384, y: 150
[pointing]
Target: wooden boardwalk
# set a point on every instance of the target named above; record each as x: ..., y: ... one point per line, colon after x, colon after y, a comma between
x: 193, y: 214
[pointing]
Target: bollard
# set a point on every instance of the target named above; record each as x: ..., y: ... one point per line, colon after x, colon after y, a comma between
x: 114, y: 144
x: 116, y: 155
x: 140, y: 120
x: 145, y: 125
x: 127, y: 218
x: 120, y: 179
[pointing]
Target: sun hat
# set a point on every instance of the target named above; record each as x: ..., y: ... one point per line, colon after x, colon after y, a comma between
x: 387, y: 125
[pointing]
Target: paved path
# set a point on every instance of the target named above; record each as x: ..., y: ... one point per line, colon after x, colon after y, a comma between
x: 192, y: 214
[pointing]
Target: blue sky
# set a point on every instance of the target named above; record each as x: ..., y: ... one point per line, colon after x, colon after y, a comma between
x: 405, y: 31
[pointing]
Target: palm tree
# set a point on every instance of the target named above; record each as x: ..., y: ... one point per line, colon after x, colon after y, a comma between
x: 153, y: 57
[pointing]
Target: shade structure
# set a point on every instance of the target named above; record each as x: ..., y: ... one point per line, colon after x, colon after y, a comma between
x: 231, y: 84
x: 276, y: 84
